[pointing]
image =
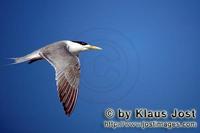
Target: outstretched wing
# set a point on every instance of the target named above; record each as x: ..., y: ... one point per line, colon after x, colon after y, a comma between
x: 67, y: 83
x: 67, y: 69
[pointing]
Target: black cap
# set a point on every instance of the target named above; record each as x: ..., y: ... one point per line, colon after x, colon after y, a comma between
x: 80, y: 42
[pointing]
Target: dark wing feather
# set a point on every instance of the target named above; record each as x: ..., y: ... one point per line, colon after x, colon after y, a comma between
x: 67, y: 82
x: 67, y: 69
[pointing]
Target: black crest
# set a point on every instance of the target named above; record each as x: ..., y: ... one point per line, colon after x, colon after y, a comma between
x: 80, y: 42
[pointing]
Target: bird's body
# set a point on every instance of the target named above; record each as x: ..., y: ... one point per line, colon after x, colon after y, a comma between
x: 63, y: 56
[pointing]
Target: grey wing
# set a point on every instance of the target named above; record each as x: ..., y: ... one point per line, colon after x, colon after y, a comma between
x: 67, y: 69
x: 67, y: 83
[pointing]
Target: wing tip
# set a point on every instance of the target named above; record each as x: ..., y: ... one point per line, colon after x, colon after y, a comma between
x: 67, y: 113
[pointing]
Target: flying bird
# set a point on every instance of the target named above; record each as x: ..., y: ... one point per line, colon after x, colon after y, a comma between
x: 64, y: 57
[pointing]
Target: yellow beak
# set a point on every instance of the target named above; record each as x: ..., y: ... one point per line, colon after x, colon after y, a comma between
x: 94, y: 47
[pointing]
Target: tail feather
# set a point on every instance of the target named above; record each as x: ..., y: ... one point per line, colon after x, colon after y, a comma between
x: 30, y: 57
x: 19, y: 60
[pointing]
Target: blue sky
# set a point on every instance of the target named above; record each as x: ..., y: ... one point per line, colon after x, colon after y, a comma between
x: 150, y: 59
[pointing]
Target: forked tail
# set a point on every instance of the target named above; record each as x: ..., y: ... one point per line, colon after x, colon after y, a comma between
x: 19, y: 60
x: 34, y: 56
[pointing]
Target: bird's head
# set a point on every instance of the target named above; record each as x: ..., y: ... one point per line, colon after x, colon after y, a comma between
x: 78, y: 46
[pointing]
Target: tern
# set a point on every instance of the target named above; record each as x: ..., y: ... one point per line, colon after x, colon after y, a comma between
x: 64, y: 57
